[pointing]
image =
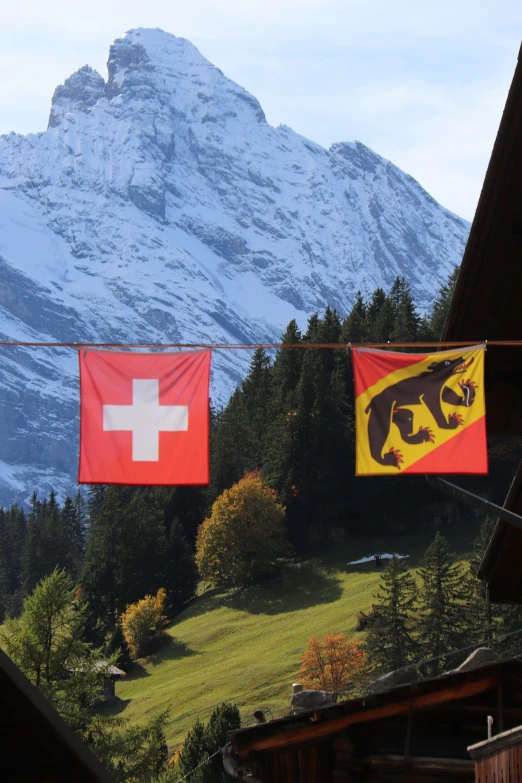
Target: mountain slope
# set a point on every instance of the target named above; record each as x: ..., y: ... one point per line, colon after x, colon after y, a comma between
x: 244, y: 646
x: 161, y: 206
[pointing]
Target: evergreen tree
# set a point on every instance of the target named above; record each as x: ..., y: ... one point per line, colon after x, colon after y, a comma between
x: 141, y: 549
x: 229, y: 444
x: 256, y: 398
x: 32, y: 570
x: 442, y: 620
x: 354, y: 325
x: 72, y: 533
x: 441, y: 305
x: 374, y: 331
x: 4, y: 558
x: 407, y: 320
x: 127, y: 555
x: 483, y: 619
x: 181, y: 575
x: 287, y: 369
x: 202, y: 742
x: 389, y: 642
x: 48, y: 644
x: 193, y: 754
x: 99, y: 577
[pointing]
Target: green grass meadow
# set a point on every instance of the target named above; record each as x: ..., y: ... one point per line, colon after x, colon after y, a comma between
x: 244, y: 646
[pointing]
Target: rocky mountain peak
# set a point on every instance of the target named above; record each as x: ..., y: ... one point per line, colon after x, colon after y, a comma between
x: 160, y: 206
x: 77, y: 94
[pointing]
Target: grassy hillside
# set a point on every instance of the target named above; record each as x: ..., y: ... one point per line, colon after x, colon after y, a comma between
x: 244, y: 646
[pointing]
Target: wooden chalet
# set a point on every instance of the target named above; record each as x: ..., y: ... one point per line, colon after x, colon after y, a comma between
x: 487, y: 305
x: 36, y: 744
x: 416, y: 732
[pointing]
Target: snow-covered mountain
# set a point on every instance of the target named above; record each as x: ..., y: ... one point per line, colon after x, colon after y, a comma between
x: 159, y: 205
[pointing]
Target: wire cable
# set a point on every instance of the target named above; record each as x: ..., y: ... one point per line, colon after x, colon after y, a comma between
x: 198, y: 767
x: 266, y: 346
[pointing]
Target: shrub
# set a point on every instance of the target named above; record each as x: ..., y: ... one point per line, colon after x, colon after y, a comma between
x: 362, y: 621
x: 142, y: 623
x: 244, y: 536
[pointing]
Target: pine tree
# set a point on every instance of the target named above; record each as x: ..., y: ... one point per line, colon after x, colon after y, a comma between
x: 256, y: 398
x: 32, y: 561
x: 48, y: 644
x: 229, y: 444
x: 181, y: 575
x: 374, y: 318
x: 407, y: 320
x: 99, y: 572
x: 390, y: 643
x: 441, y: 305
x: 287, y: 368
x: 202, y: 742
x: 483, y: 619
x: 442, y: 621
x: 193, y: 753
x: 354, y: 325
x: 141, y: 549
x: 72, y: 533
x: 4, y: 559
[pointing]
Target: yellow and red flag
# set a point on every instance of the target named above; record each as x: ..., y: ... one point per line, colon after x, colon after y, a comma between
x: 420, y: 413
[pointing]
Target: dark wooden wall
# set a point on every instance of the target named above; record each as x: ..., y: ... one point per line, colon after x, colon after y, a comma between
x: 503, y: 767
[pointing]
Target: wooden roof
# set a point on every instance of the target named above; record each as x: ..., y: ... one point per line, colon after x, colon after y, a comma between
x: 486, y: 303
x: 315, y: 726
x: 501, y: 567
x: 487, y: 306
x: 35, y: 742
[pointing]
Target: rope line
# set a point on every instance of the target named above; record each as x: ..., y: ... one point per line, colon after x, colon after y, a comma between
x: 198, y: 767
x: 266, y: 346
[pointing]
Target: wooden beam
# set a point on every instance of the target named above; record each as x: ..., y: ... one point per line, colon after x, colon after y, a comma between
x: 500, y: 707
x: 407, y: 741
x: 319, y: 729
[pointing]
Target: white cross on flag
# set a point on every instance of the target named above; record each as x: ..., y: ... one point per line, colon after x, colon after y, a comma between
x: 144, y: 418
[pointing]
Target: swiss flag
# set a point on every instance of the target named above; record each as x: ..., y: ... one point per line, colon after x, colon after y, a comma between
x: 144, y: 418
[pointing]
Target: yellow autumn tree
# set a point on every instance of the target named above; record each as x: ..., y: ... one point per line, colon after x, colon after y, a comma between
x: 142, y: 622
x: 244, y: 536
x: 331, y: 664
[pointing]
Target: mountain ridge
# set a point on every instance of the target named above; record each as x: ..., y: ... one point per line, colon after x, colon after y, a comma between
x: 160, y: 206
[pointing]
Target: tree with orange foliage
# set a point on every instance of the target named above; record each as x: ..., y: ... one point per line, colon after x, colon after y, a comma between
x: 244, y: 536
x: 332, y: 664
x: 142, y: 622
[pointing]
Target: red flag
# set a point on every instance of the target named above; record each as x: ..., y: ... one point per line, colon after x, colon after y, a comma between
x: 144, y: 418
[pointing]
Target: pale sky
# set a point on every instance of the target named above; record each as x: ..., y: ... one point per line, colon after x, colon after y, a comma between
x: 422, y: 82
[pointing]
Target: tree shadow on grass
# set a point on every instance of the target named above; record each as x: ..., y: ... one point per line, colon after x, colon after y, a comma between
x: 136, y: 671
x: 301, y: 585
x: 113, y: 708
x: 171, y: 650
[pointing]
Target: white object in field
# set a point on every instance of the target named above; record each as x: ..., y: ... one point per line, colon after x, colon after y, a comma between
x: 372, y: 557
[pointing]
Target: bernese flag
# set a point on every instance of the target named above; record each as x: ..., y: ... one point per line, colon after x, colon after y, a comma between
x: 420, y: 413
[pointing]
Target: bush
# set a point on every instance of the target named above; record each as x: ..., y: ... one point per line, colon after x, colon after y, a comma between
x: 332, y: 664
x: 244, y: 536
x: 142, y: 623
x: 362, y: 621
